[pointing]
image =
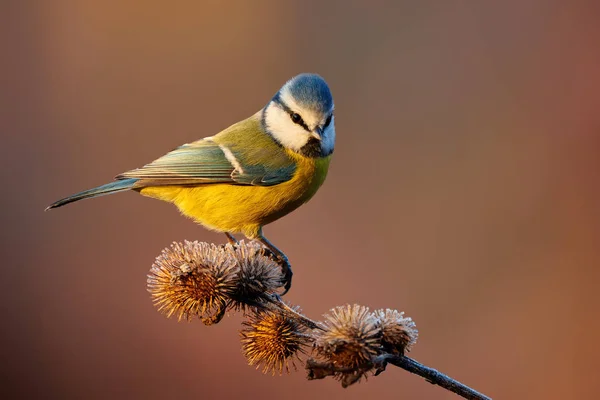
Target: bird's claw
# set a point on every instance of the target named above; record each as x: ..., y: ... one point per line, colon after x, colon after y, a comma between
x: 286, y: 268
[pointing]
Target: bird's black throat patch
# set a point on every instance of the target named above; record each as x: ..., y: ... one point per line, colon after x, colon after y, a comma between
x: 312, y: 148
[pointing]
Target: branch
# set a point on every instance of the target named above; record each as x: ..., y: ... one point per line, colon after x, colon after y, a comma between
x: 431, y: 375
x: 275, y: 303
x: 205, y: 280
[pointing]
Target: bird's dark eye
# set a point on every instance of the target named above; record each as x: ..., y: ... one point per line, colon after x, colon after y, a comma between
x: 296, y: 118
x: 328, y: 121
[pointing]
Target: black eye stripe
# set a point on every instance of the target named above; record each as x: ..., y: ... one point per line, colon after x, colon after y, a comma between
x: 287, y: 109
x: 297, y: 119
x: 328, y: 121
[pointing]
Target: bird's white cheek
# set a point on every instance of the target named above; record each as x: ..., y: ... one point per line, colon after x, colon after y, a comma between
x: 282, y: 128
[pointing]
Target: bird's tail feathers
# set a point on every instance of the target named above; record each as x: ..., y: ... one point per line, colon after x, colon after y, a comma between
x: 109, y: 188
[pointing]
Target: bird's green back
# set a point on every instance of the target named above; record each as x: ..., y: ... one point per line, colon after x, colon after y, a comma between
x: 243, y: 154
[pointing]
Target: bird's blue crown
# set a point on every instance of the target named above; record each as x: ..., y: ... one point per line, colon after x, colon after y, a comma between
x: 310, y: 91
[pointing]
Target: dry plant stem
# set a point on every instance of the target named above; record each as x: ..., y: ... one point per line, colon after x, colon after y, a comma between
x: 430, y: 375
x: 205, y: 280
x: 319, y: 370
x: 276, y: 304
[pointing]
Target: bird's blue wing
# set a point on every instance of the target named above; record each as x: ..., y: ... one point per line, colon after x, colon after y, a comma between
x: 202, y: 161
x: 206, y: 162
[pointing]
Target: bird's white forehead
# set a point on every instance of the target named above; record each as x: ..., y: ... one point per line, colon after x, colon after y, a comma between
x: 310, y: 115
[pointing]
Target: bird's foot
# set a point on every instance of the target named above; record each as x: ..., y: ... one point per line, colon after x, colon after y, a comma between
x: 286, y: 268
x: 231, y: 239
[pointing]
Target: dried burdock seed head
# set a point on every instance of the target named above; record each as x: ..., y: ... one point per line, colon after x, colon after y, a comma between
x: 350, y: 340
x: 399, y: 333
x: 258, y: 276
x: 273, y: 340
x: 193, y: 279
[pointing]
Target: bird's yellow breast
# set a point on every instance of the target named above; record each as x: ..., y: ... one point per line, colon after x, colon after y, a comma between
x: 244, y: 208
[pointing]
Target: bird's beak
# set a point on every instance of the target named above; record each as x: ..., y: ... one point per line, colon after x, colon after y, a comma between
x: 317, y: 133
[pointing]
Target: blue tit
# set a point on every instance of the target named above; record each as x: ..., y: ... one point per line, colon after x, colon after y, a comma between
x: 248, y: 175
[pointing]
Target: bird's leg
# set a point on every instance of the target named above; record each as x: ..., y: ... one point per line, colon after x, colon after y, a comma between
x: 232, y: 240
x: 282, y: 259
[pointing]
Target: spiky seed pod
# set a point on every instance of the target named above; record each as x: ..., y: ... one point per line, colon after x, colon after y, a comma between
x: 399, y: 333
x: 350, y: 340
x: 192, y: 279
x: 273, y: 340
x: 258, y: 277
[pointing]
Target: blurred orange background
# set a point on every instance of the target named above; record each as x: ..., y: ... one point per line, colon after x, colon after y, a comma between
x: 464, y: 189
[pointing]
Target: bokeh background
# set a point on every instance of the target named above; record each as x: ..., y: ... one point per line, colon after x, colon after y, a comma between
x: 464, y: 189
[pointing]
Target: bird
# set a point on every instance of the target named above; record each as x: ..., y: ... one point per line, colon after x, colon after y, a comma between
x: 249, y: 174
